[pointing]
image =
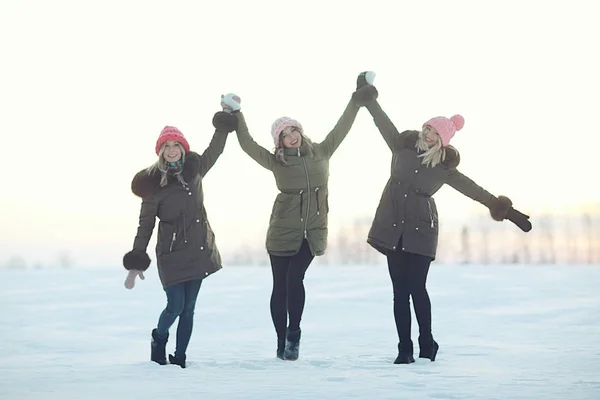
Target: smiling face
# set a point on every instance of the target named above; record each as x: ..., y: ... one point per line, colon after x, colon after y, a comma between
x: 291, y: 137
x: 172, y: 152
x: 430, y: 135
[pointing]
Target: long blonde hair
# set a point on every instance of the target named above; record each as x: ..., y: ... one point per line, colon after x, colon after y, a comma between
x: 161, y: 165
x: 306, y: 143
x: 432, y: 155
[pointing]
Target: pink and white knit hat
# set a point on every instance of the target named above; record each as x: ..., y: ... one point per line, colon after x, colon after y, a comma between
x: 280, y: 124
x: 446, y: 127
x: 174, y: 134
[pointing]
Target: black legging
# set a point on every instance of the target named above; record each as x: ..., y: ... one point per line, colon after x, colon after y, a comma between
x: 288, y: 289
x: 409, y: 278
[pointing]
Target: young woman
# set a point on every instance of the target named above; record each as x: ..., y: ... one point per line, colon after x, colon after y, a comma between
x: 405, y: 226
x: 186, y: 253
x: 298, y: 224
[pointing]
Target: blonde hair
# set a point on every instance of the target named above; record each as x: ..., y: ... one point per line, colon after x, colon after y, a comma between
x: 306, y: 142
x: 432, y: 155
x: 161, y: 163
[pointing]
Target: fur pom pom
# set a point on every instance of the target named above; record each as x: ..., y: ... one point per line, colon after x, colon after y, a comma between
x: 500, y: 207
x: 136, y: 260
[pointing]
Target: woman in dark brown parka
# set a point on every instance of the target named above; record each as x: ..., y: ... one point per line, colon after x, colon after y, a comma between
x: 186, y: 252
x: 405, y: 226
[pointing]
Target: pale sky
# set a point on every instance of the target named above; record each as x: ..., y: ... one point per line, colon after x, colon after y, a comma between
x: 86, y: 87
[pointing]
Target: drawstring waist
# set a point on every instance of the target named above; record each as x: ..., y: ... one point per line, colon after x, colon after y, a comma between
x: 301, y: 193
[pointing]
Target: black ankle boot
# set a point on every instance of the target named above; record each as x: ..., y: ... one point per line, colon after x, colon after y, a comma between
x: 404, y: 358
x: 292, y: 345
x: 281, y: 348
x: 180, y: 360
x: 405, y: 353
x: 158, y: 348
x: 429, y: 351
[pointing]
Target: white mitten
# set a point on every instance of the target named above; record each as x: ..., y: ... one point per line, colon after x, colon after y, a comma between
x: 130, y: 280
x: 365, y: 78
x: 231, y: 103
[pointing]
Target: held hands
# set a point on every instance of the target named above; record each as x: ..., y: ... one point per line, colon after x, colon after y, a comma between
x: 130, y: 280
x: 226, y: 120
x: 365, y: 91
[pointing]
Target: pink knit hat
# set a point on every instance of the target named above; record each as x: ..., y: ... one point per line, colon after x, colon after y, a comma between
x: 280, y: 124
x: 174, y: 134
x: 445, y: 127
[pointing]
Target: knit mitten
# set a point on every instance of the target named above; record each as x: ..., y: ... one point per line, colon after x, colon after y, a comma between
x: 231, y: 103
x: 130, y: 280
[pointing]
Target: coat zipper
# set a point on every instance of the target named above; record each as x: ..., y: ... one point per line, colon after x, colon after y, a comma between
x: 307, y: 196
x: 430, y: 213
x: 173, y: 241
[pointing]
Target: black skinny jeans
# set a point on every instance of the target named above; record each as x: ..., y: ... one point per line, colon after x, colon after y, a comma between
x: 408, y: 272
x: 288, y: 294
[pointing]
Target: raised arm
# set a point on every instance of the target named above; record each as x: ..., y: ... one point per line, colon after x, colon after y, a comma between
x: 261, y: 155
x: 212, y: 152
x: 385, y: 125
x: 360, y: 97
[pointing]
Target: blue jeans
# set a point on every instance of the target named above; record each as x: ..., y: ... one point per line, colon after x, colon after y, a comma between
x: 181, y: 302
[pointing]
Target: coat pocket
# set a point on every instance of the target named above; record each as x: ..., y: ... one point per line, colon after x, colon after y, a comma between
x: 169, y: 237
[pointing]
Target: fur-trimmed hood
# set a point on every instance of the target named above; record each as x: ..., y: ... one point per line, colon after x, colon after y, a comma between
x: 144, y: 184
x: 452, y: 159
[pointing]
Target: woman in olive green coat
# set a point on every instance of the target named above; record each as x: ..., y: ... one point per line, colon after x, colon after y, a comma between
x: 405, y: 226
x: 298, y: 224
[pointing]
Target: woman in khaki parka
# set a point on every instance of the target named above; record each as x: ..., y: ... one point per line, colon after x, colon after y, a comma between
x: 405, y: 226
x: 298, y: 224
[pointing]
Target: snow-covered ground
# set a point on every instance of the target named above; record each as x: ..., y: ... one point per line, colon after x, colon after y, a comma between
x: 506, y: 332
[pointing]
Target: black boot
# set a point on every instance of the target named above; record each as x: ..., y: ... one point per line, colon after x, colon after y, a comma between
x: 405, y: 353
x: 429, y: 351
x: 292, y: 345
x: 158, y: 348
x: 280, y: 348
x: 177, y: 360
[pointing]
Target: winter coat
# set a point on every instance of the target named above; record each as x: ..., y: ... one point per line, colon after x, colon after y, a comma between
x: 300, y: 209
x: 407, y: 209
x: 185, y: 248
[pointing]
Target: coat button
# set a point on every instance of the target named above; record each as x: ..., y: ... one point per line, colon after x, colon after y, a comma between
x: 416, y: 170
x: 393, y: 247
x: 405, y: 195
x: 417, y: 228
x: 198, y: 220
x: 201, y: 247
x: 206, y: 273
x: 403, y: 248
x: 189, y: 193
x: 402, y: 221
x: 394, y: 224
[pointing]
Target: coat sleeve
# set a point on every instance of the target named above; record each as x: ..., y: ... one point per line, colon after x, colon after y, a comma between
x: 212, y: 152
x: 261, y: 155
x: 340, y: 130
x: 384, y: 124
x: 147, y: 222
x: 466, y: 186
